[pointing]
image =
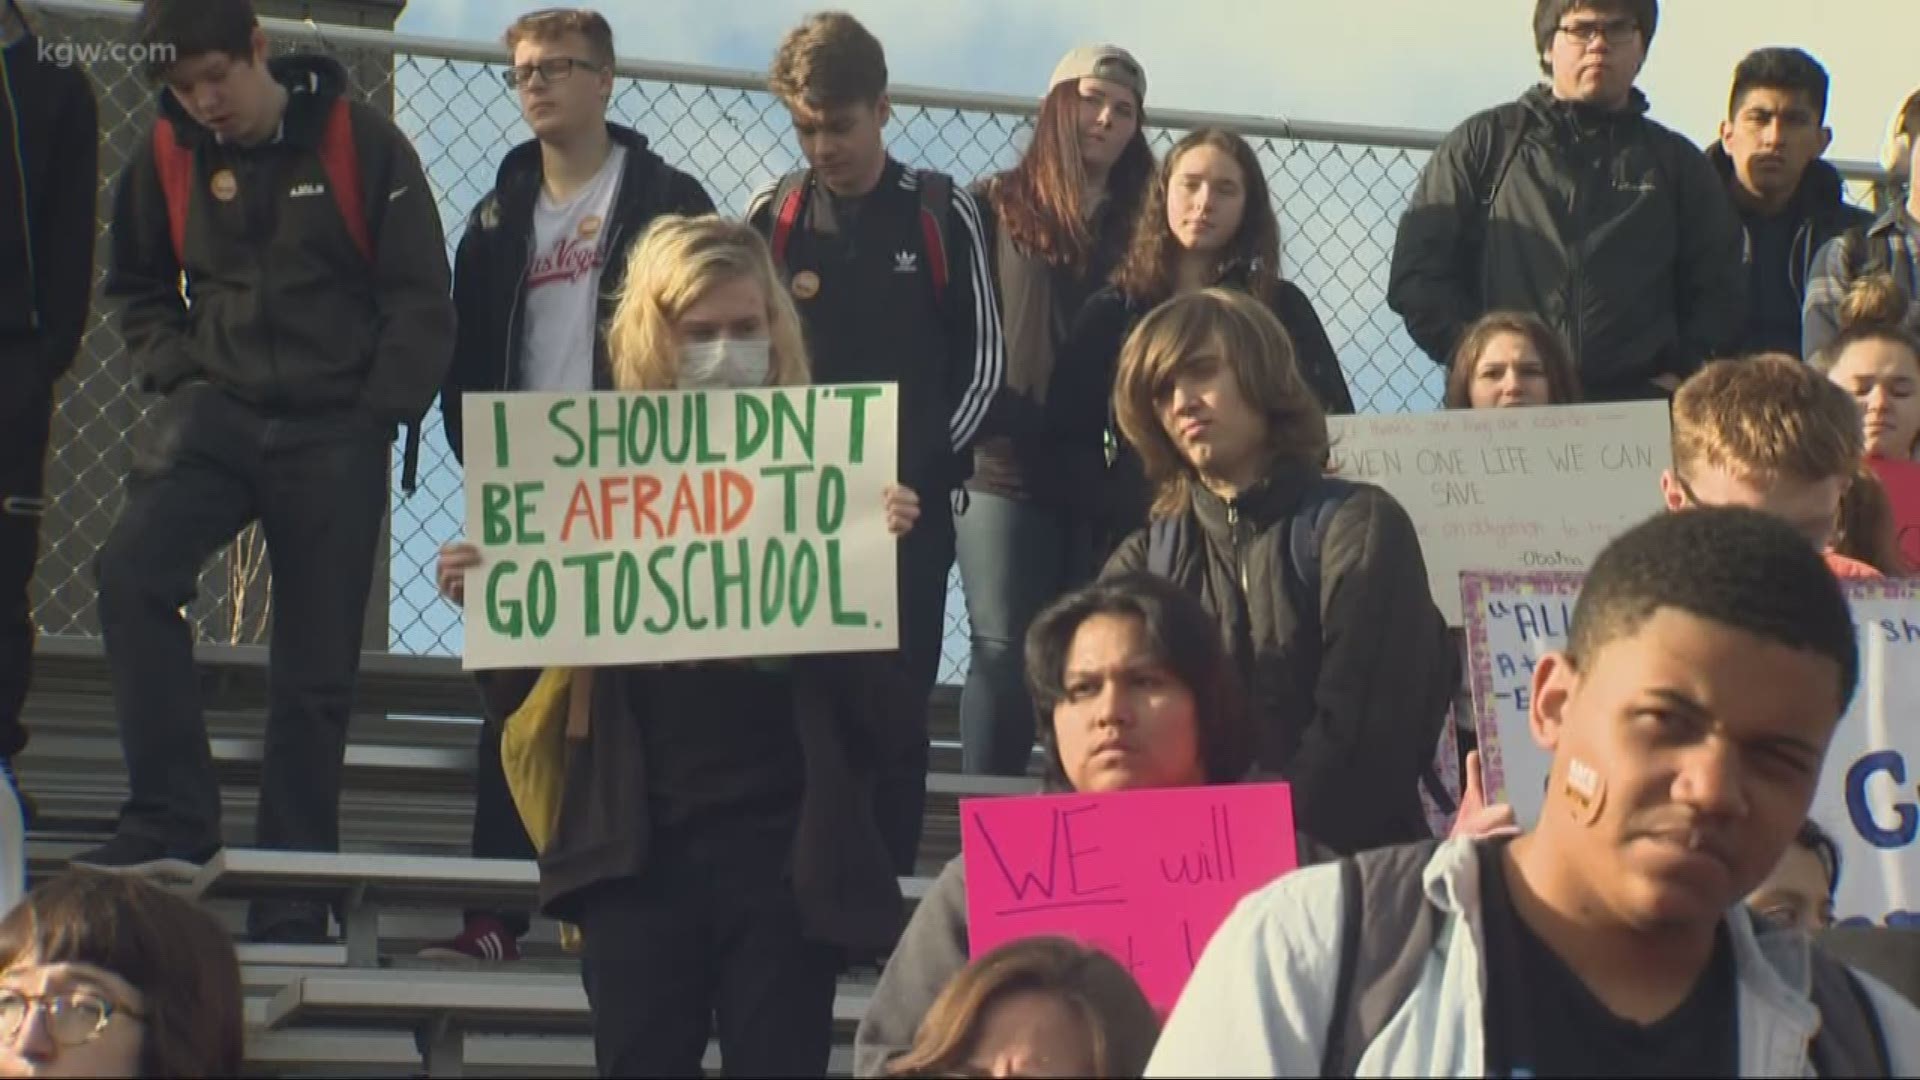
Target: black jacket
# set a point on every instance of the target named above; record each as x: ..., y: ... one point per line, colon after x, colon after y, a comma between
x: 870, y: 313
x: 1355, y: 743
x: 1819, y: 211
x: 490, y: 266
x: 286, y: 313
x: 1080, y: 398
x: 842, y: 876
x: 49, y: 160
x: 1609, y: 226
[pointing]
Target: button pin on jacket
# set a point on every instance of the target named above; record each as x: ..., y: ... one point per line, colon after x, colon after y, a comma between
x: 806, y: 285
x: 223, y: 185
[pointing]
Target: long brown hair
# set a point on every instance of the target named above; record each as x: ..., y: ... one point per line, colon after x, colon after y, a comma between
x: 1869, y: 531
x: 1563, y: 381
x: 1041, y: 202
x: 1147, y: 275
x: 1115, y: 1014
x: 175, y: 953
x: 1235, y: 330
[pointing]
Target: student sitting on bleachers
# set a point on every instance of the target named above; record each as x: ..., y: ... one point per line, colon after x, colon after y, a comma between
x: 716, y: 842
x: 1040, y: 1006
x: 1509, y: 359
x: 110, y: 975
x: 1132, y: 690
x: 1877, y: 360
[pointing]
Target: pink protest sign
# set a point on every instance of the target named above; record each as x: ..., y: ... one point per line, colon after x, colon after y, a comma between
x: 1148, y: 876
x: 1902, y: 481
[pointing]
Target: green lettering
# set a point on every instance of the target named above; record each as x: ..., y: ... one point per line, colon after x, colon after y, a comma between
x: 589, y: 566
x: 857, y: 423
x: 504, y: 615
x: 805, y: 589
x: 749, y: 425
x: 694, y: 622
x: 543, y: 598
x: 789, y: 496
x: 500, y: 434
x: 640, y: 450
x: 723, y: 581
x: 598, y: 433
x: 665, y: 588
x: 841, y: 617
x: 785, y: 418
x: 830, y: 505
x: 556, y: 419
x: 705, y: 455
x: 626, y: 593
x: 494, y: 526
x: 678, y: 454
x: 525, y: 507
x: 773, y: 581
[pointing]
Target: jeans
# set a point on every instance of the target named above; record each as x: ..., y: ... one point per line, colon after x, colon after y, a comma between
x: 1016, y: 557
x: 498, y: 832
x: 900, y: 781
x: 318, y: 487
x: 26, y: 419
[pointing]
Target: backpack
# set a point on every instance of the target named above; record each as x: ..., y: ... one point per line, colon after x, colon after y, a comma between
x: 1387, y: 934
x: 1300, y: 578
x: 936, y: 206
x: 339, y: 157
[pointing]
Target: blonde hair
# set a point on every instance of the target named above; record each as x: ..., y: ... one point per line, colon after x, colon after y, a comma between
x: 554, y: 23
x: 1237, y: 331
x: 1117, y: 1017
x: 1902, y: 131
x: 1767, y: 416
x: 1874, y: 309
x: 678, y: 261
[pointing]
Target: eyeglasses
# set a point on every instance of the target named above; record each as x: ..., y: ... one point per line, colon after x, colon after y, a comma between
x: 551, y: 70
x: 72, y: 1018
x: 1819, y: 533
x: 1617, y: 31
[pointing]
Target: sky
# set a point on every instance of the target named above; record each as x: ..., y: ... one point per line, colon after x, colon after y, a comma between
x: 1423, y: 64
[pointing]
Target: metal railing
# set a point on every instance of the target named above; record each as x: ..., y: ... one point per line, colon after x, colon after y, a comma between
x: 1339, y: 190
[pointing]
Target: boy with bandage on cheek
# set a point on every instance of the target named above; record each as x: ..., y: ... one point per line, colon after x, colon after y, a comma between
x: 1710, y: 657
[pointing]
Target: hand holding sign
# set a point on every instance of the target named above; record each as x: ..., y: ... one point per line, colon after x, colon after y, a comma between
x: 1476, y: 818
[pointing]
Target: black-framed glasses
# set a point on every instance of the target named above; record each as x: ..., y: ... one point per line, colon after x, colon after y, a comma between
x: 551, y: 70
x: 1616, y: 31
x: 73, y: 1018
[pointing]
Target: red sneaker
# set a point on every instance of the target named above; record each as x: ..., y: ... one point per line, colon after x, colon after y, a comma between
x: 485, y: 940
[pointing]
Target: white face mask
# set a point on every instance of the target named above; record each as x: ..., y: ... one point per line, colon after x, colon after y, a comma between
x: 725, y: 364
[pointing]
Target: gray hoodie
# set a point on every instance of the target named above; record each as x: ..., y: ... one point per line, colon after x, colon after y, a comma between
x: 932, y: 950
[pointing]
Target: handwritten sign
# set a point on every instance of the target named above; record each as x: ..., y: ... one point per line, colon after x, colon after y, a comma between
x: 1901, y: 479
x: 1869, y: 790
x: 1511, y: 489
x: 618, y: 528
x: 1147, y: 876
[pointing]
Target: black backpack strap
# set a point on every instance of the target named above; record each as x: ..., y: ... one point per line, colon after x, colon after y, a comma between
x: 1387, y: 930
x: 1300, y: 577
x: 1851, y: 1041
x: 936, y: 209
x: 1165, y: 535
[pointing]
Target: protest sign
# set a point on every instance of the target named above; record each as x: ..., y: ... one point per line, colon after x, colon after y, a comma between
x: 1867, y: 794
x: 1901, y: 479
x: 1511, y: 489
x: 1147, y: 876
x: 620, y: 528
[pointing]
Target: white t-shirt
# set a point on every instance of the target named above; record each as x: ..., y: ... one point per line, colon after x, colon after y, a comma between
x: 563, y: 282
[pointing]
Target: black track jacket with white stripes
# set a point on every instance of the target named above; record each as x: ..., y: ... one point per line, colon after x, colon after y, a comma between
x: 857, y: 270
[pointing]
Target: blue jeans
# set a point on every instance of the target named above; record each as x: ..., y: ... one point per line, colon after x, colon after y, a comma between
x: 1016, y: 557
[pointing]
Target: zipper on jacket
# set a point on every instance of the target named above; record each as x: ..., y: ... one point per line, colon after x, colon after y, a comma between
x: 1239, y: 547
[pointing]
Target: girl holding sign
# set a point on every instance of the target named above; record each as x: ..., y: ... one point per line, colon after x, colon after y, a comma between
x: 716, y: 841
x: 1510, y: 359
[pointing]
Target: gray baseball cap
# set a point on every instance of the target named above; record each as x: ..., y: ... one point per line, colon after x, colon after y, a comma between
x: 1109, y: 62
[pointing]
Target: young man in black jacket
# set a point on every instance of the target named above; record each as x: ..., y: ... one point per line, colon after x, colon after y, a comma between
x: 1570, y: 204
x: 535, y: 279
x: 49, y: 154
x: 854, y: 236
x: 1790, y: 201
x: 319, y: 324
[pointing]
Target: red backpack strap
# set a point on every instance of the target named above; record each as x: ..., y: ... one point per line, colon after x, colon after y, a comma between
x: 341, y: 160
x: 173, y: 164
x: 936, y: 202
x: 788, y: 200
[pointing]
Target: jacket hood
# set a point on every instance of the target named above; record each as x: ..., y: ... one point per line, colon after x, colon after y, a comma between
x: 521, y: 168
x: 312, y: 82
x: 1259, y: 506
x: 1554, y: 112
x: 1821, y: 186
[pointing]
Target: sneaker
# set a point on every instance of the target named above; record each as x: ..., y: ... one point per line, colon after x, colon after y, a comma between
x: 144, y: 857
x: 484, y: 940
x: 287, y: 922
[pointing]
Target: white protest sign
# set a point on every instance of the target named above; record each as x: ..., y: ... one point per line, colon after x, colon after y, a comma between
x: 1866, y: 799
x: 620, y: 528
x: 1511, y: 489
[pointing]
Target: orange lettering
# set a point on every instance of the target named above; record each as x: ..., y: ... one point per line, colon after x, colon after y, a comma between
x: 645, y: 490
x: 736, y: 500
x: 684, y: 502
x: 580, y: 506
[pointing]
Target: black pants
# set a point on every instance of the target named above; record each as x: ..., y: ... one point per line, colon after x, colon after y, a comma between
x: 26, y: 419
x: 319, y: 489
x: 711, y: 930
x: 498, y: 832
x: 900, y: 784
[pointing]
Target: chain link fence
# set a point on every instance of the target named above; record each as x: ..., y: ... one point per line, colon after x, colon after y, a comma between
x: 1339, y: 192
